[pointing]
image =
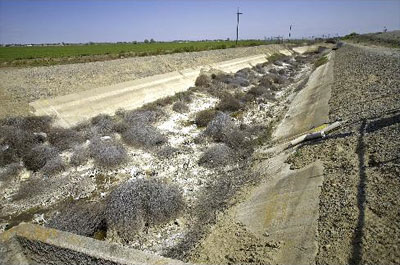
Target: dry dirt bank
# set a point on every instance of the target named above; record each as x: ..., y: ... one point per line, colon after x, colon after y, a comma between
x: 360, y: 200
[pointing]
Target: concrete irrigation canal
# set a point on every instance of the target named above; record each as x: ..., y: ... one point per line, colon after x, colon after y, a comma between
x: 231, y: 162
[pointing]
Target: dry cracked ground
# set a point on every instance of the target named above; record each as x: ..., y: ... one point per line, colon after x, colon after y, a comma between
x: 200, y: 144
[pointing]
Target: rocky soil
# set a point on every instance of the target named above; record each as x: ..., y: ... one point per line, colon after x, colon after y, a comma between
x: 359, y: 205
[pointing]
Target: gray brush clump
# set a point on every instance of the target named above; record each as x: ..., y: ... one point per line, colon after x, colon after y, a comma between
x: 219, y: 126
x: 139, y: 117
x: 228, y: 103
x: 216, y: 156
x: 53, y: 166
x: 79, y: 156
x: 83, y: 220
x: 223, y: 129
x: 10, y: 171
x: 107, y: 152
x: 38, y: 156
x: 142, y: 202
x: 257, y: 91
x: 143, y: 136
x: 64, y: 138
x: 15, y: 143
x: 180, y: 107
x: 166, y: 151
x: 30, y: 123
x: 203, y: 117
x: 202, y: 80
x: 103, y: 124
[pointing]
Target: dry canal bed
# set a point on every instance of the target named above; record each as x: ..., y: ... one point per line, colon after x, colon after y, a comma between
x: 156, y: 178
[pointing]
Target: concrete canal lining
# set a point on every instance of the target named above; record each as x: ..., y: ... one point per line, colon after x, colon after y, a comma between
x: 74, y: 108
x: 34, y: 244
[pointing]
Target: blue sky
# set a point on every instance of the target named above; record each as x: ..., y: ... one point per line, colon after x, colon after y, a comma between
x: 43, y: 21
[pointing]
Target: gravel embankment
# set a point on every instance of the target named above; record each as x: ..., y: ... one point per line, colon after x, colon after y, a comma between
x: 360, y: 201
x: 29, y: 84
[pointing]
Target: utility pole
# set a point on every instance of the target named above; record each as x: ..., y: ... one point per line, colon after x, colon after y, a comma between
x: 237, y: 25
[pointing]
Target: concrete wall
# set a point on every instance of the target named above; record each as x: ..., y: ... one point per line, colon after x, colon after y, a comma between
x: 33, y: 244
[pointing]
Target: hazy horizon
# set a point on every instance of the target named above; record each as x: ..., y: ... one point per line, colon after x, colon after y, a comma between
x: 45, y: 21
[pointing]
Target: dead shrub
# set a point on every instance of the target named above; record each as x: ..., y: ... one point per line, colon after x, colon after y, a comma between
x: 257, y: 91
x: 7, y: 155
x: 282, y: 72
x: 223, y: 129
x: 85, y: 130
x: 107, y: 152
x: 268, y: 96
x: 276, y: 79
x: 82, y: 219
x: 223, y: 77
x: 10, y: 171
x: 139, y: 117
x: 184, y: 96
x: 103, y: 124
x: 218, y: 89
x: 142, y: 202
x: 180, y: 107
x: 266, y: 81
x: 64, y: 138
x: 219, y: 125
x: 228, y: 103
x: 38, y: 156
x: 80, y: 156
x: 235, y: 80
x: 144, y: 135
x: 15, y: 143
x: 204, y: 117
x: 217, y: 155
x: 30, y: 123
x: 120, y: 127
x: 202, y: 80
x: 273, y: 71
x: 166, y: 151
x: 244, y: 73
x: 260, y: 68
x: 53, y: 166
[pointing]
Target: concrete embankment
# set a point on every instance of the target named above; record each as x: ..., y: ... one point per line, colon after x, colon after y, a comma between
x: 74, y: 108
x: 285, y: 206
x: 33, y: 244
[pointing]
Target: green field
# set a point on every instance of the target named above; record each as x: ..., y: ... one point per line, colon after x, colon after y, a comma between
x: 48, y: 55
